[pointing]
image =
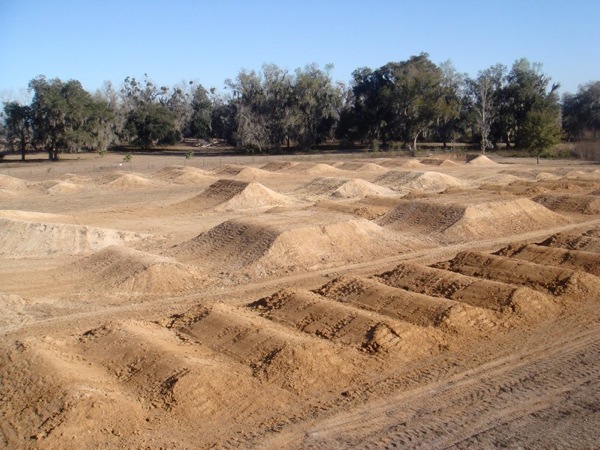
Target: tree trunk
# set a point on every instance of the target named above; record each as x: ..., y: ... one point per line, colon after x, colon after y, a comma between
x: 414, y: 149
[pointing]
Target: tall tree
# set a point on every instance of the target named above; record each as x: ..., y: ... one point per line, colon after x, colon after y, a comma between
x: 484, y: 94
x: 200, y: 120
x: 526, y: 89
x: 581, y: 111
x: 18, y: 123
x: 316, y: 101
x: 65, y: 116
x: 152, y: 124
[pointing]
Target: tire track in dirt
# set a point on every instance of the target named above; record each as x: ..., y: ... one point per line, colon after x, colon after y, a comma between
x: 447, y: 413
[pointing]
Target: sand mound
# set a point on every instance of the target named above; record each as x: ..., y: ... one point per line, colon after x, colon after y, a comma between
x: 252, y: 173
x: 550, y: 256
x: 183, y: 175
x: 570, y: 203
x: 458, y: 221
x: 64, y: 187
x: 124, y: 270
x: 439, y: 162
x: 482, y: 160
x: 275, y: 166
x: 493, y: 295
x: 573, y: 242
x: 348, y: 325
x: 357, y: 188
x: 24, y: 238
x: 275, y: 244
x: 419, y: 181
x: 11, y: 183
x: 342, y: 188
x: 557, y: 281
x: 127, y: 181
x: 362, y: 167
x: 225, y: 195
x: 314, y: 169
x: 242, y: 172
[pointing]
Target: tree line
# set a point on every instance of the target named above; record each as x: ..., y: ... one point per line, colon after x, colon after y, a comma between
x: 398, y: 104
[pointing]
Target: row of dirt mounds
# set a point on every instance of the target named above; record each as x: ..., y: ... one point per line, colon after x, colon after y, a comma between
x: 218, y: 364
x: 469, y: 218
x: 409, y: 181
x: 36, y: 237
x: 554, y: 280
x: 583, y: 242
x: 342, y: 188
x: 289, y: 242
x: 570, y: 203
x: 234, y: 195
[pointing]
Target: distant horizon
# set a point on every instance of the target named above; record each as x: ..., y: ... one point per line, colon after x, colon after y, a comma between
x: 94, y: 42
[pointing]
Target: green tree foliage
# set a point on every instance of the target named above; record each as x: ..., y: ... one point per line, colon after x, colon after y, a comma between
x: 404, y: 100
x: 540, y: 131
x: 526, y: 89
x: 581, y: 111
x: 18, y: 127
x: 316, y: 102
x: 65, y: 117
x: 152, y: 124
x: 200, y: 120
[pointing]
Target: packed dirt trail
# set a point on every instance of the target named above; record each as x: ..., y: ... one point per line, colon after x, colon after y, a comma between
x: 324, y: 301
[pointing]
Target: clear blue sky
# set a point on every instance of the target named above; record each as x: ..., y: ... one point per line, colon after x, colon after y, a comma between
x: 209, y: 41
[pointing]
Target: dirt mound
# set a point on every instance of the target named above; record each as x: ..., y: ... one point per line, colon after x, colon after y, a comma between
x: 25, y: 238
x: 226, y: 195
x: 119, y: 269
x: 11, y: 183
x: 348, y: 325
x: 573, y: 242
x: 591, y: 175
x: 242, y: 172
x: 276, y: 244
x: 126, y: 181
x: 557, y: 281
x: 253, y: 173
x: 550, y: 256
x: 482, y: 160
x: 183, y: 175
x: 362, y: 167
x: 342, y: 188
x: 406, y: 306
x: 570, y: 203
x: 285, y: 357
x: 409, y: 181
x: 314, y: 169
x: 458, y: 221
x: 439, y: 162
x: 275, y: 166
x: 532, y: 175
x: 477, y: 292
x: 64, y: 187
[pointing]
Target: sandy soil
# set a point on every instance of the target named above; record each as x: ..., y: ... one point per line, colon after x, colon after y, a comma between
x: 317, y: 302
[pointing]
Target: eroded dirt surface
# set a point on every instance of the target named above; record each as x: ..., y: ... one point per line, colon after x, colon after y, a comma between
x: 325, y: 302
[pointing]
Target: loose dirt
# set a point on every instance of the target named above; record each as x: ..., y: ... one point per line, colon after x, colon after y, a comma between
x: 318, y: 302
